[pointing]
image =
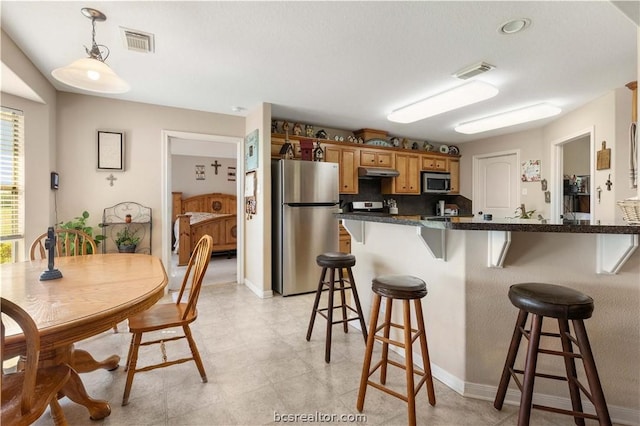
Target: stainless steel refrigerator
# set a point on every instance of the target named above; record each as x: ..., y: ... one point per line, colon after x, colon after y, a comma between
x: 305, y: 196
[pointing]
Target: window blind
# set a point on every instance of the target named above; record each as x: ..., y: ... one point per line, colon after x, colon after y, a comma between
x: 11, y: 174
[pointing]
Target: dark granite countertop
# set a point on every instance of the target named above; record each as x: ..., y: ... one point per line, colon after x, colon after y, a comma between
x: 477, y: 224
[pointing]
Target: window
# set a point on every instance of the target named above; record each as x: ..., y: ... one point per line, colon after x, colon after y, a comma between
x: 11, y: 182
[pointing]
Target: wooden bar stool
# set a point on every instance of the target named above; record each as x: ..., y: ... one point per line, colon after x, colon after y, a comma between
x: 332, y: 263
x: 564, y: 304
x: 405, y: 288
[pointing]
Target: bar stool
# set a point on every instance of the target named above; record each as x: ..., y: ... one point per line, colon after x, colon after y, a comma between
x: 564, y: 304
x: 332, y: 263
x: 405, y: 288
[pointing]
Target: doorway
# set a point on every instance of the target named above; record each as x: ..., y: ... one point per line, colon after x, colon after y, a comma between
x: 496, y: 183
x: 197, y: 145
x: 573, y: 199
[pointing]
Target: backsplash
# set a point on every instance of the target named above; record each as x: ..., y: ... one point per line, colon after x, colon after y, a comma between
x: 423, y: 204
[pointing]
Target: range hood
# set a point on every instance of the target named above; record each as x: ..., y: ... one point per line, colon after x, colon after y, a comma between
x: 376, y: 172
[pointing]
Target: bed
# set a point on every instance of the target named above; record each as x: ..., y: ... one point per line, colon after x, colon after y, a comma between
x: 213, y: 214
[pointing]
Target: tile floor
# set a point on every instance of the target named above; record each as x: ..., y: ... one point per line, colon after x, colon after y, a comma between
x: 258, y: 364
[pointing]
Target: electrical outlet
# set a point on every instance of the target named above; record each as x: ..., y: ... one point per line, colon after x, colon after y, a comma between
x: 524, y: 191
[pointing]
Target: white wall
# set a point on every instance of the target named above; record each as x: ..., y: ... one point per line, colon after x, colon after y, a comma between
x: 609, y: 116
x: 257, y: 235
x: 85, y: 188
x: 529, y: 144
x: 40, y: 142
x: 183, y: 176
x: 576, y: 156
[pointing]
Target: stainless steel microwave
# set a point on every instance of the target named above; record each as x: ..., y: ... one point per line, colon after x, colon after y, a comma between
x: 436, y: 183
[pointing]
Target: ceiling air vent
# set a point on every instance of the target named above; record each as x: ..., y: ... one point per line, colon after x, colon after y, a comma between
x: 473, y: 70
x: 138, y: 41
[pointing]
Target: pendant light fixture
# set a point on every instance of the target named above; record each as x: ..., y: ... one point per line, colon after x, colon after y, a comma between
x: 92, y: 74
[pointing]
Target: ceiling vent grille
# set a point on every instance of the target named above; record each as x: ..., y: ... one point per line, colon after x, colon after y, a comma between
x: 473, y: 70
x: 138, y: 41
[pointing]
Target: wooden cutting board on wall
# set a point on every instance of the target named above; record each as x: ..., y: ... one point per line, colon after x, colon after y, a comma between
x: 604, y: 157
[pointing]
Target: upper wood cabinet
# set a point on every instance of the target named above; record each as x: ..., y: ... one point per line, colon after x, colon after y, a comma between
x: 408, y: 182
x: 347, y: 158
x: 454, y: 170
x: 434, y: 164
x: 375, y: 158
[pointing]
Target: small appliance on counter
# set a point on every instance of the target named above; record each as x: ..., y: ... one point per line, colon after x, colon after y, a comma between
x: 367, y: 206
x: 444, y: 209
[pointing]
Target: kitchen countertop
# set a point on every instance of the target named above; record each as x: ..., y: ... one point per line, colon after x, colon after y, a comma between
x: 502, y: 224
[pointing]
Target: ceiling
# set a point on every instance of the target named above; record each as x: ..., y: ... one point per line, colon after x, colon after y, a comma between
x: 344, y: 65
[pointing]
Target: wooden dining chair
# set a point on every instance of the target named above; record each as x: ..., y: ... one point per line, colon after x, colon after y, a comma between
x: 26, y: 393
x: 168, y: 315
x: 69, y: 242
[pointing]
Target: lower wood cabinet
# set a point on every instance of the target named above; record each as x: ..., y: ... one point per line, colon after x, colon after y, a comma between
x: 345, y: 240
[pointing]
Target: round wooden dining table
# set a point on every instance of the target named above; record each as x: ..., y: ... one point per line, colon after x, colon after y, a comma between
x: 95, y: 293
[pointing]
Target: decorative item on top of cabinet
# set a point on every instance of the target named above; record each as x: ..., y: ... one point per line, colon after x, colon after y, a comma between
x: 318, y: 152
x: 297, y: 129
x: 286, y: 151
x: 308, y: 130
x: 322, y: 134
x: 367, y: 134
x: 306, y: 149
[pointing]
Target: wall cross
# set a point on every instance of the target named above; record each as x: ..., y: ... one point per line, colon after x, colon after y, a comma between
x: 216, y: 165
x: 111, y: 178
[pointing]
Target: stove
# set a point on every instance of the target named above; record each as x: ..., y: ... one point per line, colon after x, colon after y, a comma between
x: 367, y: 206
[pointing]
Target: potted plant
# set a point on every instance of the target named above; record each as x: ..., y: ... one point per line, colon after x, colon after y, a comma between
x: 126, y: 240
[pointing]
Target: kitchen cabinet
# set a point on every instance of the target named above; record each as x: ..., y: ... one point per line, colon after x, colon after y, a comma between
x: 433, y: 163
x: 454, y: 170
x: 345, y: 240
x: 376, y: 158
x: 408, y: 181
x: 347, y: 158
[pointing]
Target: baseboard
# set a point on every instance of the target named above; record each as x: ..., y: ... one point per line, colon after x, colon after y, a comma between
x: 619, y: 415
x: 257, y: 290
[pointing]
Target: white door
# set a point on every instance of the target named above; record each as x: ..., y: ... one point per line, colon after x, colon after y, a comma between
x: 497, y: 184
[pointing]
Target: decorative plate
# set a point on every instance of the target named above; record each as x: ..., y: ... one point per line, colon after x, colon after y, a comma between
x: 453, y: 150
x: 444, y: 149
x: 377, y: 142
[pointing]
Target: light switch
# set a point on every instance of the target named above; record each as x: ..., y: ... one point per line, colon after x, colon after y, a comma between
x: 524, y: 191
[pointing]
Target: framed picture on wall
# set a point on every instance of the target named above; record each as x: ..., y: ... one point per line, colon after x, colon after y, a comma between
x: 110, y: 150
x: 251, y: 151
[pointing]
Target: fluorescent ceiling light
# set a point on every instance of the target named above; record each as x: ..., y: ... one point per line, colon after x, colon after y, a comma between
x: 510, y: 118
x: 458, y: 97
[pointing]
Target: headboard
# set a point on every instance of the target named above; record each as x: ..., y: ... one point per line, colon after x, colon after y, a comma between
x: 211, y: 203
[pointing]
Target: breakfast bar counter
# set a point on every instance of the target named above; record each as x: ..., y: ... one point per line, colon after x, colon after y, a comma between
x: 508, y: 224
x: 469, y: 265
